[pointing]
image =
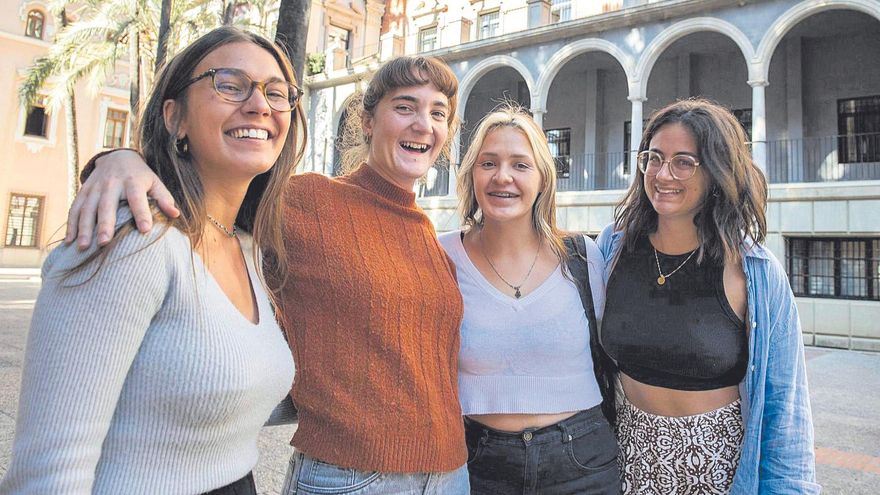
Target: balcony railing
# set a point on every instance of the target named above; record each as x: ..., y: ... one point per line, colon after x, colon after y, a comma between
x: 824, y: 159
x: 592, y: 172
x: 812, y: 159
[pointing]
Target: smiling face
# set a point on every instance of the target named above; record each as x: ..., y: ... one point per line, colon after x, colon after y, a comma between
x: 407, y: 131
x: 228, y: 139
x: 506, y: 178
x: 669, y: 196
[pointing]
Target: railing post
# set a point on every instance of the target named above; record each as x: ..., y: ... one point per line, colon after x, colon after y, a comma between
x: 759, y: 123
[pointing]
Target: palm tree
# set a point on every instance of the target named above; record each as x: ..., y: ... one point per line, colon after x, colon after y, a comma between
x: 30, y: 93
x: 291, y: 31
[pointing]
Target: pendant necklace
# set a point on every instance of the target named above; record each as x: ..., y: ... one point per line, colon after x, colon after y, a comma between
x: 516, y: 288
x: 662, y: 278
x: 232, y: 233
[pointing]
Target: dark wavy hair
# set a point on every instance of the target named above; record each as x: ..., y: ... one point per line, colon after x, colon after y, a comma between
x: 734, y: 208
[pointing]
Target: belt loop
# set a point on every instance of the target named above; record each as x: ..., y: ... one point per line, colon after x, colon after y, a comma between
x: 566, y: 433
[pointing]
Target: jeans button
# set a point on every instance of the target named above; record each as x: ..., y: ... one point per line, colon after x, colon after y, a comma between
x: 527, y: 436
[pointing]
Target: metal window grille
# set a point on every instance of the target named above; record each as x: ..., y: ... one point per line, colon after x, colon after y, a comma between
x: 489, y: 24
x: 858, y: 124
x: 428, y: 39
x: 842, y: 268
x: 561, y: 10
x: 744, y: 116
x: 114, y: 128
x: 34, y: 26
x: 560, y: 147
x: 23, y: 221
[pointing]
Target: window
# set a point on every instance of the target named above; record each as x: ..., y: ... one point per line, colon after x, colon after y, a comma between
x: 561, y: 10
x: 844, y: 268
x: 858, y: 127
x: 560, y: 147
x: 23, y: 222
x: 114, y: 128
x: 427, y: 39
x: 36, y: 121
x: 34, y: 27
x: 339, y: 40
x: 488, y: 24
x: 744, y: 116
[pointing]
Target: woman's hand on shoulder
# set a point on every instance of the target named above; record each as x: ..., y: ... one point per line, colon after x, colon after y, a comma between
x: 121, y: 175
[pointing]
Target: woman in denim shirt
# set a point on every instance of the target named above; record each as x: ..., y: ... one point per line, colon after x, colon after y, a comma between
x: 712, y: 394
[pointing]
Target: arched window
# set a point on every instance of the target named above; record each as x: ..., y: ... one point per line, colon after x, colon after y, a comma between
x: 34, y: 28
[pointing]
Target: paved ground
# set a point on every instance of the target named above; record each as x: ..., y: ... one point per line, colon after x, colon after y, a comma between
x: 844, y: 389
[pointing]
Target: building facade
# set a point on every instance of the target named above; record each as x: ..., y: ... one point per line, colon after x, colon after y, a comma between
x: 33, y: 166
x: 801, y: 75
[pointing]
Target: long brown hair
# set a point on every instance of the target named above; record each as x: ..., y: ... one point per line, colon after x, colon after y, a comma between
x: 734, y: 208
x: 397, y: 73
x: 260, y: 211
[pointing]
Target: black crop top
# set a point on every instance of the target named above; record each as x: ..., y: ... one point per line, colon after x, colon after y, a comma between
x: 681, y: 335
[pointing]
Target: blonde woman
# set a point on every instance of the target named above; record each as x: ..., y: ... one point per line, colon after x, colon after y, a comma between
x: 529, y: 392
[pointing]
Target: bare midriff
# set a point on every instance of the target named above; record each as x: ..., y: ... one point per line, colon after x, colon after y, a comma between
x: 515, y: 423
x: 663, y: 401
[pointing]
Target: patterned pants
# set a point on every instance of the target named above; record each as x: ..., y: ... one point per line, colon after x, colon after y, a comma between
x: 689, y: 455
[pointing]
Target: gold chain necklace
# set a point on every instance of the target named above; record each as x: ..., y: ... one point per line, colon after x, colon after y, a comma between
x: 662, y: 278
x: 516, y: 288
x: 220, y: 226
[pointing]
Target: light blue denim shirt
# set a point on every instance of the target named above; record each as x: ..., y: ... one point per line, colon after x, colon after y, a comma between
x: 777, y: 453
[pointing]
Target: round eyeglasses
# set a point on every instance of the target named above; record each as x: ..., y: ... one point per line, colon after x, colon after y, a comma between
x: 236, y: 86
x: 682, y: 167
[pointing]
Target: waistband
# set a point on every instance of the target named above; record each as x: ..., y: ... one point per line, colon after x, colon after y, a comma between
x: 562, y: 432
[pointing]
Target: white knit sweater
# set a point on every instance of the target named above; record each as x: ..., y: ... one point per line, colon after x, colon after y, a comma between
x: 145, y: 379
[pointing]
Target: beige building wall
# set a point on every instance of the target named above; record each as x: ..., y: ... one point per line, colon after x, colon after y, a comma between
x: 36, y: 166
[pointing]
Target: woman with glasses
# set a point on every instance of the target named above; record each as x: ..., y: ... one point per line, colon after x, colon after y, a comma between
x: 153, y: 361
x: 367, y: 296
x: 712, y: 393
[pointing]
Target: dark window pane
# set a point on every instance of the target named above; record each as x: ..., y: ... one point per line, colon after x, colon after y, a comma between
x: 35, y: 125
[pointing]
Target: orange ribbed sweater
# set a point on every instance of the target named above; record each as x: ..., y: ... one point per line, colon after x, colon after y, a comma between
x: 372, y: 312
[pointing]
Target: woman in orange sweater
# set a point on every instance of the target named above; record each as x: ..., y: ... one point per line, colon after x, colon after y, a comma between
x: 369, y: 304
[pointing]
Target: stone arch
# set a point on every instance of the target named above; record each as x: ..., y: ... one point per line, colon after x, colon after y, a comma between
x: 470, y: 80
x: 796, y: 14
x: 570, y: 51
x: 677, y: 31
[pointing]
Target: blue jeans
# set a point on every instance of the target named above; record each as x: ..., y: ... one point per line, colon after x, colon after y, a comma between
x: 309, y: 476
x: 577, y: 455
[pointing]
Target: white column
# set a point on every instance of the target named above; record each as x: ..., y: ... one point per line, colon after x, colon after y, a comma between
x: 635, y: 136
x: 759, y: 124
x: 454, y: 160
x: 538, y: 116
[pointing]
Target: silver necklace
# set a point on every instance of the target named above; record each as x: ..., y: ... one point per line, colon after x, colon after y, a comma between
x: 232, y: 233
x: 662, y: 278
x: 516, y: 288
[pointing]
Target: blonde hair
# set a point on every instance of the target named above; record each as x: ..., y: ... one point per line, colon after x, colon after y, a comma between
x: 400, y: 72
x: 544, y: 210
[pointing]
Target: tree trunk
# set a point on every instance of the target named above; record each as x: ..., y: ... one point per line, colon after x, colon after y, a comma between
x: 164, y: 29
x: 291, y: 32
x: 134, y: 76
x: 71, y: 135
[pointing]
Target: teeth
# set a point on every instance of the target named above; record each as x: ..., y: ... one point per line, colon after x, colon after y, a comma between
x: 415, y: 146
x: 503, y: 194
x: 667, y: 191
x: 250, y: 133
